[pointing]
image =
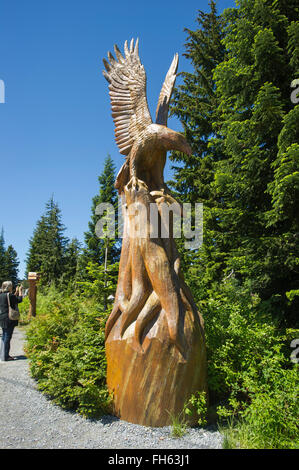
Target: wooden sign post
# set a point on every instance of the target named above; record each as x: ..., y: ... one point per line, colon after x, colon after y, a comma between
x: 33, y: 278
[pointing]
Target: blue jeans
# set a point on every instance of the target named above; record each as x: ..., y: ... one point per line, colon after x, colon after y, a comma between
x: 5, y: 346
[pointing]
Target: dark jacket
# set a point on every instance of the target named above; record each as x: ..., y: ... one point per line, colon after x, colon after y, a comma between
x: 14, y: 301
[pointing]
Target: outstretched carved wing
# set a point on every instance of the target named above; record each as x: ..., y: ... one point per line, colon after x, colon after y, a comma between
x: 127, y: 85
x: 166, y: 92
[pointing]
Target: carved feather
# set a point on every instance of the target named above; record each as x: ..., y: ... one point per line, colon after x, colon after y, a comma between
x: 127, y: 85
x: 166, y: 92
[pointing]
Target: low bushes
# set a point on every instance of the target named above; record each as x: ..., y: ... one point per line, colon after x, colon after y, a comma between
x: 65, y: 345
x: 252, y: 381
x: 253, y: 385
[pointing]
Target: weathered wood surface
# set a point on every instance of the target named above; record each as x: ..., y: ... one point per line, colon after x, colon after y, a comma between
x: 155, y: 341
x: 155, y: 381
x: 33, y: 279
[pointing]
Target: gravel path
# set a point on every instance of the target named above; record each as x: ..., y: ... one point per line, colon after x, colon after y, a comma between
x: 29, y: 421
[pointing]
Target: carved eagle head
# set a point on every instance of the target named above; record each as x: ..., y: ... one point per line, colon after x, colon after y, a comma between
x: 135, y: 131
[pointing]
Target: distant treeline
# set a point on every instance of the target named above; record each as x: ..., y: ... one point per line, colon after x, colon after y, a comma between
x: 9, y: 262
x: 60, y: 260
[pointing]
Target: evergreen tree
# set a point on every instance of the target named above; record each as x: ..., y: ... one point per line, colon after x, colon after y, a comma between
x: 11, y: 265
x: 250, y: 193
x: 9, y: 262
x: 2, y: 258
x: 95, y: 247
x: 195, y: 102
x: 259, y: 180
x: 72, y: 255
x: 47, y: 247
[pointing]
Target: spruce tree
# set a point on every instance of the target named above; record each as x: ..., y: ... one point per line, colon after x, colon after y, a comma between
x: 72, y: 254
x: 48, y: 245
x: 95, y: 247
x: 250, y: 191
x: 9, y: 262
x: 2, y: 258
x: 259, y: 179
x: 195, y: 103
x: 11, y: 265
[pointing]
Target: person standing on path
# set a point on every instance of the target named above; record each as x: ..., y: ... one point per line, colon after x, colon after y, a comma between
x: 6, y: 324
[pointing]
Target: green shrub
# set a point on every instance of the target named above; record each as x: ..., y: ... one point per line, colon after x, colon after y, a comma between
x: 252, y: 382
x: 197, y: 406
x: 273, y: 413
x: 250, y: 375
x: 271, y: 420
x: 101, y: 283
x: 24, y: 312
x: 65, y: 346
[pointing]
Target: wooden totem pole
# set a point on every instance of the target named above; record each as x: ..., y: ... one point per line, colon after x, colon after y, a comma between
x: 155, y: 342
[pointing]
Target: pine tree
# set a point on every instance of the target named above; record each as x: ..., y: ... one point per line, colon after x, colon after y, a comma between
x: 195, y: 103
x: 9, y: 262
x: 11, y: 265
x: 251, y: 193
x: 95, y: 247
x: 2, y: 258
x: 47, y: 247
x: 72, y: 254
x: 259, y: 178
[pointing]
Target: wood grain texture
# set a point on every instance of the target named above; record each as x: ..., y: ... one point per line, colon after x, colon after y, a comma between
x: 150, y: 383
x: 155, y: 346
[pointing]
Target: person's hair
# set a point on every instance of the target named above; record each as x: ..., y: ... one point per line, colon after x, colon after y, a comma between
x: 7, y: 286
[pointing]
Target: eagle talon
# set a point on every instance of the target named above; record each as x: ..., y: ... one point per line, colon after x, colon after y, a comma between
x: 136, y: 184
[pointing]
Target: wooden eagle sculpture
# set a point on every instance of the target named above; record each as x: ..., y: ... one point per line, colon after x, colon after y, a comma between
x: 144, y: 143
x: 155, y: 343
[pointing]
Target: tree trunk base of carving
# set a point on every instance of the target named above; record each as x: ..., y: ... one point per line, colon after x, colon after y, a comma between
x: 152, y: 382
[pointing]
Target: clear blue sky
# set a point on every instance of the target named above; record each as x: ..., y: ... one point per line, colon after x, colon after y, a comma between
x: 55, y: 126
